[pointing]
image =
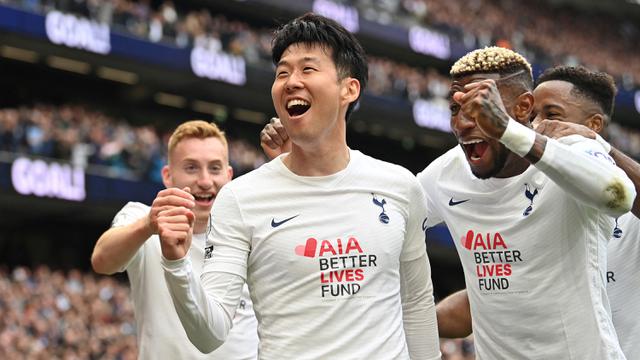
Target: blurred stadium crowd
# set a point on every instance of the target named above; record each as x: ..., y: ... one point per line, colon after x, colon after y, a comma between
x: 112, y: 147
x: 531, y: 28
x: 116, y: 148
x: 137, y: 153
x: 49, y: 315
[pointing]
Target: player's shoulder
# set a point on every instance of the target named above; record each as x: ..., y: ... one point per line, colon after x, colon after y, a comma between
x: 582, y: 142
x: 252, y: 179
x: 129, y: 213
x: 452, y: 160
x: 135, y: 206
x: 382, y: 167
x: 629, y: 220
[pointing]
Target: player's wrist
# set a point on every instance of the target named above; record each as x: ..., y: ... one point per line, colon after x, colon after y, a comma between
x: 145, y: 228
x: 518, y: 138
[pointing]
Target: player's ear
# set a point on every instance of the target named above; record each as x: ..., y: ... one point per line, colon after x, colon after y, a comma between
x: 523, y: 108
x: 229, y: 172
x: 350, y: 89
x: 166, y: 176
x: 595, y: 122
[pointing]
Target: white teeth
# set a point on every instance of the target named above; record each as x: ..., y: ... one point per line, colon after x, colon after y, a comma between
x: 203, y: 197
x: 296, y: 102
x: 469, y: 142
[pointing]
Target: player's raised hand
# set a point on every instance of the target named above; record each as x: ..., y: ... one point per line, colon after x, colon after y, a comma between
x: 556, y: 129
x: 167, y: 199
x: 274, y: 139
x: 482, y: 103
x: 175, y: 229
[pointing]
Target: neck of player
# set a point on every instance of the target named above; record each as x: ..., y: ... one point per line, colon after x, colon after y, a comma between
x: 514, y: 166
x: 324, y: 156
x: 200, y: 226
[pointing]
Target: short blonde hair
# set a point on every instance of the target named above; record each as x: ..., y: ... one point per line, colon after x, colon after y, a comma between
x: 198, y: 129
x: 492, y: 59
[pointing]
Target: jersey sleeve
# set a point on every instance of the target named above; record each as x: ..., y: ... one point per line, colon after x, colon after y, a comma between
x: 206, y: 306
x: 206, y: 309
x: 229, y: 236
x: 416, y: 288
x: 130, y: 213
x: 414, y: 242
x: 582, y: 167
x: 426, y: 179
x: 418, y: 309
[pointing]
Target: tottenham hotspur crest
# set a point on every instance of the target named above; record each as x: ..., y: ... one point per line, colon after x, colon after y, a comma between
x: 530, y: 195
x: 383, y: 217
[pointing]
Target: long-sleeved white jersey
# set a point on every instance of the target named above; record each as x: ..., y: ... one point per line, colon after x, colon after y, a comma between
x: 623, y: 283
x: 336, y: 264
x: 160, y: 334
x: 533, y: 249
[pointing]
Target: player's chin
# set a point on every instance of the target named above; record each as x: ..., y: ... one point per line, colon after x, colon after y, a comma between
x: 481, y: 172
x: 202, y: 212
x: 483, y: 168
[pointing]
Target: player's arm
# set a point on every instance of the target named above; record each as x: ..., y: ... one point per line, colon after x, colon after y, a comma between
x: 583, y: 169
x: 206, y: 306
x: 454, y: 315
x: 557, y: 129
x: 416, y: 287
x: 116, y: 246
x: 632, y: 169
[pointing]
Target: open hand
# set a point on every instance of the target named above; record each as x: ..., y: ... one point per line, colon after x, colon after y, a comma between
x: 482, y: 103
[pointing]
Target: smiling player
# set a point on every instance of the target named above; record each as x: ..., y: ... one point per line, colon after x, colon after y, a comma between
x: 328, y: 239
x: 199, y: 164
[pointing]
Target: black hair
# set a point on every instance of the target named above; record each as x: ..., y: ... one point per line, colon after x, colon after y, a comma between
x: 347, y: 54
x: 597, y: 86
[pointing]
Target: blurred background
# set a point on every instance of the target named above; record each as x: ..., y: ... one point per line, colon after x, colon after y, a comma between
x: 91, y: 89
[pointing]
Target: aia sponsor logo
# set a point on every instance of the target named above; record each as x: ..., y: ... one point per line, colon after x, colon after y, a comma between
x: 493, y: 259
x: 338, y: 247
x: 341, y: 263
x: 473, y: 241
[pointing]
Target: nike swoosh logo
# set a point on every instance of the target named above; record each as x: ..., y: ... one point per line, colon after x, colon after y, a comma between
x: 454, y: 203
x: 275, y: 223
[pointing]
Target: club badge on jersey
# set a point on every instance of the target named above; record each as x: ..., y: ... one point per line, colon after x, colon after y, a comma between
x: 383, y: 217
x: 530, y: 195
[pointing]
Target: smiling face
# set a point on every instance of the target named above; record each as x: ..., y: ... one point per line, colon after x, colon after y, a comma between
x: 487, y: 157
x: 308, y: 94
x: 203, y: 166
x: 554, y: 100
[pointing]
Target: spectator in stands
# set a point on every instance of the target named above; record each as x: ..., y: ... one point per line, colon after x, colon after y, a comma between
x: 45, y: 315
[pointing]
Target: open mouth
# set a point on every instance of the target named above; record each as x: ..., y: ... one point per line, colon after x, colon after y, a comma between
x: 207, y: 198
x: 475, y: 149
x: 297, y: 107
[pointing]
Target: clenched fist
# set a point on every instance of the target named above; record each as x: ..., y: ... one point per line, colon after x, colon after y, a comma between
x: 175, y: 226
